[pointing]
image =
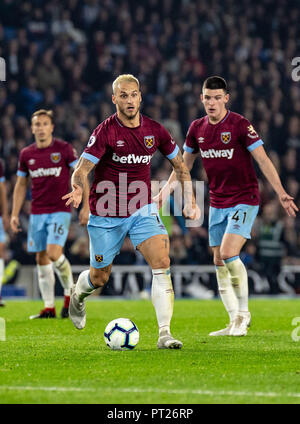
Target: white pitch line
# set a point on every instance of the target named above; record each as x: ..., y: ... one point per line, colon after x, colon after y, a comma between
x: 149, y: 390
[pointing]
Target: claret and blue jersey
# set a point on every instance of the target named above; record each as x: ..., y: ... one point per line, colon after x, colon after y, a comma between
x: 122, y: 156
x: 225, y: 149
x: 49, y: 169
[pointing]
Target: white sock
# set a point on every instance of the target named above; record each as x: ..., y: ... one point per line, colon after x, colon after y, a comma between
x: 64, y: 272
x: 84, y: 286
x: 239, y: 281
x: 1, y: 272
x: 226, y: 292
x: 162, y: 297
x: 46, y: 280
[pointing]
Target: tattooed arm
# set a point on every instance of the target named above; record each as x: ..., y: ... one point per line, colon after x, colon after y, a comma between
x: 181, y: 173
x: 79, y: 182
x: 184, y: 177
x: 181, y: 167
x: 85, y: 210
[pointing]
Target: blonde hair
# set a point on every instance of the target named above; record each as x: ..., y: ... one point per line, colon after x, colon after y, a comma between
x: 41, y: 112
x: 124, y: 78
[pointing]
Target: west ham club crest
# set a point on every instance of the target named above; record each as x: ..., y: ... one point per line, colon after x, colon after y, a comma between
x: 149, y: 141
x: 225, y: 137
x: 55, y: 157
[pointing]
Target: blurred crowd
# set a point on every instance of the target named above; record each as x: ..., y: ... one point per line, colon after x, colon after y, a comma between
x: 64, y: 54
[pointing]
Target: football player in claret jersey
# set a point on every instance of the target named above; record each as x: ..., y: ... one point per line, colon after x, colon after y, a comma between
x: 226, y: 142
x: 3, y: 223
x: 120, y: 150
x: 48, y: 162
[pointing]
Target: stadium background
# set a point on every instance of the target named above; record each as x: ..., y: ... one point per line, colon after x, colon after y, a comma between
x: 64, y: 55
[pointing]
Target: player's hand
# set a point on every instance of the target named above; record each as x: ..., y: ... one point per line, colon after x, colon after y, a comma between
x: 75, y: 196
x: 288, y: 204
x: 15, y: 224
x: 192, y: 211
x: 84, y: 216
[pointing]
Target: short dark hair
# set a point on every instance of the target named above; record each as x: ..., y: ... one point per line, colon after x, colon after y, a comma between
x: 40, y: 112
x: 215, y: 83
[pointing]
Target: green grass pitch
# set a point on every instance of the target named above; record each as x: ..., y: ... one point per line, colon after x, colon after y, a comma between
x: 49, y: 361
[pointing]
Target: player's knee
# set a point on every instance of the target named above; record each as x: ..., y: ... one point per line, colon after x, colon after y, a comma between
x: 53, y: 253
x: 227, y: 253
x: 99, y: 278
x: 218, y: 260
x: 42, y: 258
x: 161, y: 263
x: 53, y: 257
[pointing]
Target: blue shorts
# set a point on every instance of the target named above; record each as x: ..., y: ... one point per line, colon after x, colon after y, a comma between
x: 236, y: 220
x: 2, y: 232
x: 107, y: 234
x: 47, y: 228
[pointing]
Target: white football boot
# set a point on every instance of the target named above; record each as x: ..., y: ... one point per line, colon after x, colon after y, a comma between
x: 166, y: 341
x: 241, y: 324
x: 77, y: 310
x: 223, y: 332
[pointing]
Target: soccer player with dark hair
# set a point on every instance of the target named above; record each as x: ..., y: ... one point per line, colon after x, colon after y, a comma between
x: 120, y: 151
x: 226, y: 142
x: 48, y: 162
x: 4, y: 222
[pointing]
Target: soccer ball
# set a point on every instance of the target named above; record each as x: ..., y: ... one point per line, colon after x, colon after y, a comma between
x: 121, y: 334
